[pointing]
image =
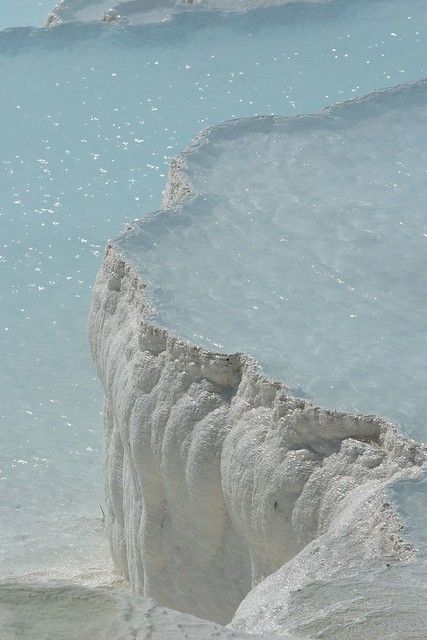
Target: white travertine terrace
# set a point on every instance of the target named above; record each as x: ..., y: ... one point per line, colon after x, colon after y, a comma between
x: 220, y: 484
x: 149, y: 11
x: 214, y: 476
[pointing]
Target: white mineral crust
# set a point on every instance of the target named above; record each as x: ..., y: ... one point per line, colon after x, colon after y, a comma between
x: 67, y: 612
x: 216, y: 478
x: 149, y: 11
x: 231, y: 500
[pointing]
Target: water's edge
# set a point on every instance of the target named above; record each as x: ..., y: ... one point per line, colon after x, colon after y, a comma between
x: 217, y: 478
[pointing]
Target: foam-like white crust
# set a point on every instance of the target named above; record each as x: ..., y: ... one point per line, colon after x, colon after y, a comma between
x: 149, y: 11
x: 216, y: 478
x: 225, y: 493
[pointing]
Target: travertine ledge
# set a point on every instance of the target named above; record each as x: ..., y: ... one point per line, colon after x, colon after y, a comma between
x: 223, y: 489
x: 215, y: 477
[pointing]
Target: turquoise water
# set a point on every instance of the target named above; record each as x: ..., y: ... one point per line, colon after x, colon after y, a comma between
x: 306, y: 248
x: 24, y: 13
x: 94, y: 114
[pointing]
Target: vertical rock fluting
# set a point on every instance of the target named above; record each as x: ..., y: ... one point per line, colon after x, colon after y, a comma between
x: 214, y: 476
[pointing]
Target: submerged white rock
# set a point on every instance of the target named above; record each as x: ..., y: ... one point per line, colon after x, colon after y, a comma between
x: 75, y: 613
x: 149, y: 11
x: 220, y: 484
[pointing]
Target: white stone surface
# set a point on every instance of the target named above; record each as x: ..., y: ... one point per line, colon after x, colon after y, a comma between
x: 74, y: 613
x: 147, y: 11
x: 214, y: 476
x: 229, y: 499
